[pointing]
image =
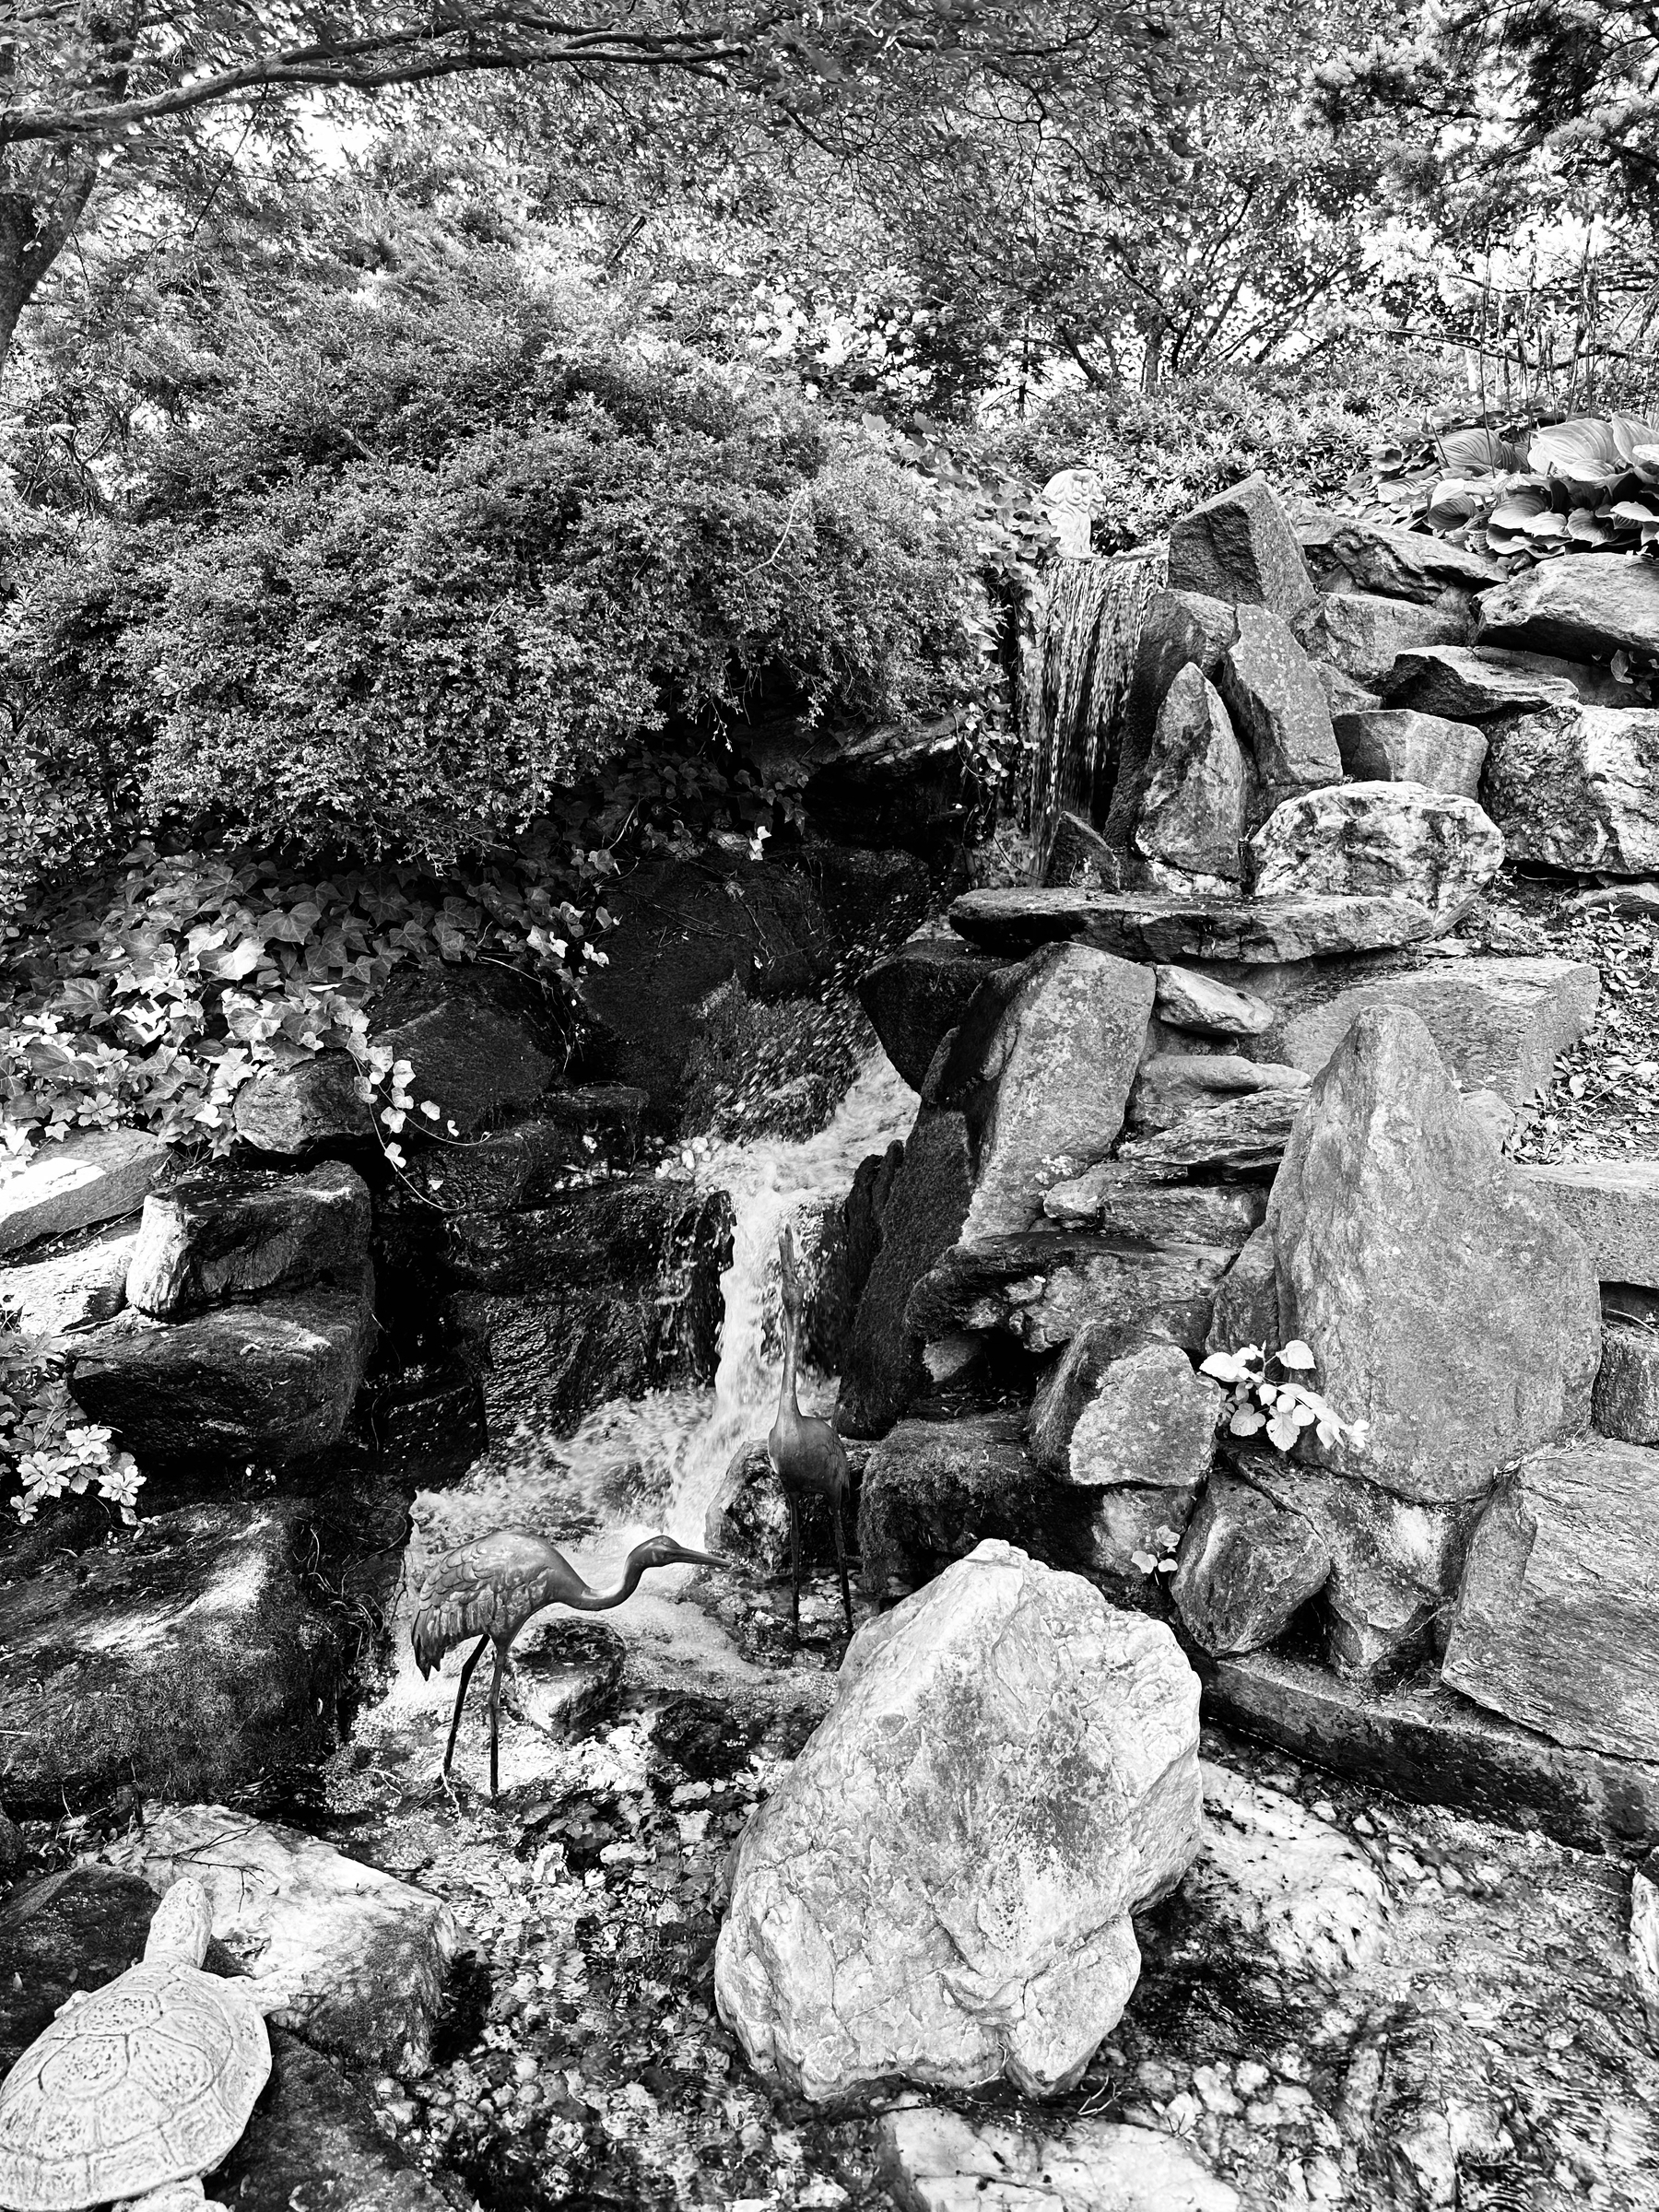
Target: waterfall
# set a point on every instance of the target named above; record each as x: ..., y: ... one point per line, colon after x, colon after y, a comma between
x: 655, y: 1462
x: 1075, y: 687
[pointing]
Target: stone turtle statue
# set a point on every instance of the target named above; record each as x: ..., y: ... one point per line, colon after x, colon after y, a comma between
x: 138, y: 2090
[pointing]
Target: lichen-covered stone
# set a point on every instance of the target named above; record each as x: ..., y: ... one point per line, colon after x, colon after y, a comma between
x: 1448, y: 1306
x: 1364, y: 633
x: 300, y: 1109
x: 1614, y: 1205
x: 1151, y: 1422
x: 1043, y: 1288
x: 1243, y: 1136
x: 265, y: 1382
x: 1578, y: 787
x: 933, y: 1489
x: 1592, y: 606
x: 1280, y: 711
x: 1345, y: 554
x: 1135, y: 1205
x: 1150, y: 925
x: 1392, y: 841
x: 934, y: 2160
x: 941, y: 1888
x: 1172, y: 1087
x: 1188, y: 1000
x: 1469, y: 684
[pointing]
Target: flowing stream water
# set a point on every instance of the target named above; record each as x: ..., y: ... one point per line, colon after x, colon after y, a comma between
x: 655, y: 1462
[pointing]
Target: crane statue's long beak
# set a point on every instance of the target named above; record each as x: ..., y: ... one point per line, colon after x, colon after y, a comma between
x: 684, y: 1557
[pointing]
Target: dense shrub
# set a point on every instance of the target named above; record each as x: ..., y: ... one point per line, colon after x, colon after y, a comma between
x: 391, y: 602
x: 1158, y: 455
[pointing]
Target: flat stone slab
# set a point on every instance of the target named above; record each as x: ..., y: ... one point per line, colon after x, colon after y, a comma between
x: 1467, y: 683
x: 1347, y: 554
x: 1397, y: 745
x: 271, y: 1381
x: 1154, y: 927
x: 73, y: 1288
x: 1614, y: 1205
x: 934, y: 2160
x: 1045, y: 1286
x: 96, y: 1177
x: 361, y: 1955
x: 1558, y: 1621
x: 183, y: 1660
x: 1500, y: 1023
x: 1246, y: 1135
x: 1425, y: 1743
x: 1593, y: 605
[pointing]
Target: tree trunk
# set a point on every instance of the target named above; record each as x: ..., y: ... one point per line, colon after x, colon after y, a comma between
x: 41, y: 202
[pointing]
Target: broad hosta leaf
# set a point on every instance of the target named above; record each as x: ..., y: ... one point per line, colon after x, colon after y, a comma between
x: 1631, y: 434
x: 1584, y: 451
x: 1479, y: 452
x: 1457, y: 500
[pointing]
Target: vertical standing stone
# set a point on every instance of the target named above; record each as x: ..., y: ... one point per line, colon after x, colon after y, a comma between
x: 1448, y: 1305
x: 1239, y: 545
x: 1054, y: 1081
x: 1193, y: 817
x: 1279, y: 709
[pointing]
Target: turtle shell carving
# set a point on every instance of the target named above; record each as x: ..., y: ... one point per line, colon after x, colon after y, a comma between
x: 148, y: 2080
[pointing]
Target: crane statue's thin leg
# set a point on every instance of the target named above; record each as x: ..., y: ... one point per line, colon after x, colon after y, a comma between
x: 495, y: 1713
x: 472, y: 1660
x: 841, y: 1559
x: 794, y: 1567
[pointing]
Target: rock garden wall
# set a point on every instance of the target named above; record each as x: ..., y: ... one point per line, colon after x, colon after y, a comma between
x: 1231, y: 1078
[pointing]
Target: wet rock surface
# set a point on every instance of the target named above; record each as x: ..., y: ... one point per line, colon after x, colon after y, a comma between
x: 191, y: 1655
x: 216, y: 1236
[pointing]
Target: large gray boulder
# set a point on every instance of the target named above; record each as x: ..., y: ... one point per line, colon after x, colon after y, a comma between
x: 1196, y: 807
x: 262, y: 1384
x: 97, y: 1176
x: 1498, y: 1023
x: 1614, y: 1205
x: 1578, y: 787
x: 1239, y: 546
x: 1591, y: 606
x: 941, y: 1888
x: 1280, y: 709
x: 1557, y: 1621
x: 1364, y: 634
x: 1346, y: 555
x: 222, y: 1234
x: 1048, y: 1095
x: 191, y: 1660
x: 1392, y: 841
x: 1449, y: 1307
x: 1397, y: 745
x: 472, y: 1052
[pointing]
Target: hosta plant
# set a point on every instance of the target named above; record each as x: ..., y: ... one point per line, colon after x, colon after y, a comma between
x: 1588, y: 486
x: 1258, y: 1400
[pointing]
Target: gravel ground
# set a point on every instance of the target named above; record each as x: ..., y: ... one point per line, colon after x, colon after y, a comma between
x: 1604, y: 1103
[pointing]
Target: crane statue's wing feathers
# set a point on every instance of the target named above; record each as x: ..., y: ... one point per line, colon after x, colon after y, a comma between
x: 457, y: 1600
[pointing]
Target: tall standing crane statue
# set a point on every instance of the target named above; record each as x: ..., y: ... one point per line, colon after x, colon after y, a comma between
x: 807, y: 1454
x: 490, y: 1587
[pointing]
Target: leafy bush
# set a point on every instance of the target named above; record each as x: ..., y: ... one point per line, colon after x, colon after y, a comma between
x: 1587, y: 485
x: 1158, y: 455
x: 407, y: 641
x: 44, y: 1444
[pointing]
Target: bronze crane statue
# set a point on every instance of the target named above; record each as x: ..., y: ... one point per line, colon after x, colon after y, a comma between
x: 807, y: 1454
x: 490, y: 1587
